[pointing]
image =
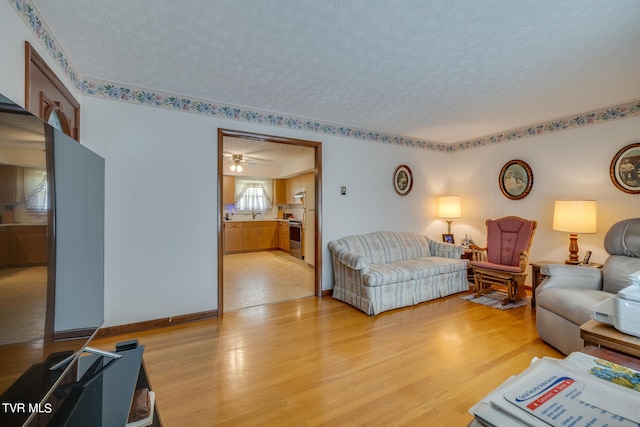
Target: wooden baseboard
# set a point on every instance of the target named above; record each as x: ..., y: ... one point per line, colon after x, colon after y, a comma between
x: 156, y: 323
x: 73, y: 334
x: 111, y: 331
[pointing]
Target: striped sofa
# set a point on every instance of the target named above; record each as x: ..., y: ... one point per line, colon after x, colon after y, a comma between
x: 385, y: 270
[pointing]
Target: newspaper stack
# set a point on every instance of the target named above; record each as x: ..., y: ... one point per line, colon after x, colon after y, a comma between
x: 578, y: 391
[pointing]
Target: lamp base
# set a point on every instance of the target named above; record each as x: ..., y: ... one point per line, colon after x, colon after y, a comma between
x: 573, y: 250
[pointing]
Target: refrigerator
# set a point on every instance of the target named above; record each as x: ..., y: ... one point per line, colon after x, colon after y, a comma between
x: 308, y: 197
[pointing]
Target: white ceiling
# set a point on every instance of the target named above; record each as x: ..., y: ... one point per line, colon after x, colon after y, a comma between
x: 437, y: 70
x: 260, y: 153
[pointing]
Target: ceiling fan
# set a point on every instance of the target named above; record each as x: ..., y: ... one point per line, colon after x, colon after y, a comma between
x: 238, y: 160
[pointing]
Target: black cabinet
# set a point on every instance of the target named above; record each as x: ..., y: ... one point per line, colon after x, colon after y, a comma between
x: 97, y: 391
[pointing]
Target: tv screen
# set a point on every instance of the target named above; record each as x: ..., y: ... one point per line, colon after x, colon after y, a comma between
x: 51, y: 256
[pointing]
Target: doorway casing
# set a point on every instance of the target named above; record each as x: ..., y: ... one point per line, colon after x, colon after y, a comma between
x: 317, y: 146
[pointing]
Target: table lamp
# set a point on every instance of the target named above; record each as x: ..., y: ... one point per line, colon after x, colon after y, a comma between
x: 449, y: 207
x: 573, y: 217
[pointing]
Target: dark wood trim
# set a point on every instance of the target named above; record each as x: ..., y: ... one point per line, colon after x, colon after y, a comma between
x: 51, y: 237
x: 48, y: 107
x: 318, y: 220
x: 156, y: 323
x: 32, y: 58
x: 317, y: 146
x: 327, y: 293
x: 220, y: 224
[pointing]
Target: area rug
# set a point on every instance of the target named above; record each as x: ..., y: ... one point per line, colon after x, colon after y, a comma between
x: 494, y: 299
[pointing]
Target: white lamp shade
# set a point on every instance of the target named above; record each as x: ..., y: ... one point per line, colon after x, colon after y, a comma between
x: 449, y: 207
x: 575, y: 216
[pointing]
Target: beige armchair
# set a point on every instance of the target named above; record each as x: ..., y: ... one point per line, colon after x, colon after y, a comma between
x: 565, y: 298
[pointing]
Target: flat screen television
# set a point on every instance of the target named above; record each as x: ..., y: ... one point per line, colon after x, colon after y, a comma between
x: 51, y: 261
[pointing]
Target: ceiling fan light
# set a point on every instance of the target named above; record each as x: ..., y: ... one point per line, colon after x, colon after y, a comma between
x: 233, y: 168
x: 239, y: 168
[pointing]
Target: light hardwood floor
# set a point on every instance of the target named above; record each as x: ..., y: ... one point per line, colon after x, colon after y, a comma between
x: 320, y: 362
x: 23, y: 303
x: 256, y: 278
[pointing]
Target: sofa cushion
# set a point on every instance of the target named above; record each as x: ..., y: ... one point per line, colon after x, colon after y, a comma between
x: 572, y: 304
x: 412, y: 269
x: 386, y: 246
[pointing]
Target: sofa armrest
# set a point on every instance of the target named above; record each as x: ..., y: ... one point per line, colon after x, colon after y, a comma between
x: 350, y: 259
x: 443, y: 249
x: 570, y: 276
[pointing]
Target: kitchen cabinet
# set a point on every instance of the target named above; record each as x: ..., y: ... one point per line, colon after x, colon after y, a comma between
x: 28, y: 245
x: 283, y: 235
x: 9, y: 193
x: 249, y: 236
x: 259, y: 235
x: 280, y: 190
x: 232, y: 237
x: 293, y: 187
x: 4, y: 246
x: 228, y: 190
x: 296, y: 184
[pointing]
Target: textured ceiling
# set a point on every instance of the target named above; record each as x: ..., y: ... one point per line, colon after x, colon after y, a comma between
x: 442, y: 71
x: 263, y: 153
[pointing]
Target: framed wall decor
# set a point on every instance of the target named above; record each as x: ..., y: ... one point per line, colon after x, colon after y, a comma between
x: 403, y: 180
x: 515, y: 179
x: 625, y: 169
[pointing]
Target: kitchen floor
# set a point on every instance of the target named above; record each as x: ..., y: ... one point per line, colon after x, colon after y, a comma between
x: 258, y: 278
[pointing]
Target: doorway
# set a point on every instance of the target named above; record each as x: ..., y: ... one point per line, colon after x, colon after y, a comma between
x: 274, y: 152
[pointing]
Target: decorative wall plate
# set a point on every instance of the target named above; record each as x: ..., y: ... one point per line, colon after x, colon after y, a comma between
x: 403, y: 180
x: 515, y: 179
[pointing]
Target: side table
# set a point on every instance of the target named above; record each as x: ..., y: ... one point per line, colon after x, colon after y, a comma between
x: 606, y: 336
x: 537, y: 277
x: 468, y: 255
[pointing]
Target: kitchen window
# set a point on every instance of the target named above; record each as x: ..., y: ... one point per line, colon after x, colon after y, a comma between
x: 35, y: 190
x: 253, y: 195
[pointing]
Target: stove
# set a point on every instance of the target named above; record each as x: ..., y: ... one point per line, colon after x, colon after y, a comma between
x: 295, y: 238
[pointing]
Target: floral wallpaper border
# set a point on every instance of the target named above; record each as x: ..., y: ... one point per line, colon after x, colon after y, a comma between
x: 115, y: 91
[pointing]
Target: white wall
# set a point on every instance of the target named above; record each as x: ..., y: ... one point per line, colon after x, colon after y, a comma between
x: 13, y: 33
x: 161, y: 178
x: 161, y: 212
x: 568, y: 165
